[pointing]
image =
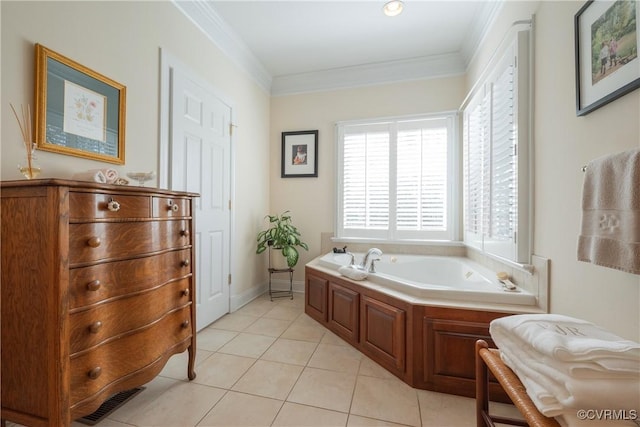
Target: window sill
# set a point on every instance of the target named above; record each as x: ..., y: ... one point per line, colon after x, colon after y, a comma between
x: 357, y: 240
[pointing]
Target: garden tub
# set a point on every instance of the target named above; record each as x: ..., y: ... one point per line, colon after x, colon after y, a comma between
x: 434, y: 277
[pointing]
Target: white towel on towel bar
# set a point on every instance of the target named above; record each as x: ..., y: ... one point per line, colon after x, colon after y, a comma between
x: 610, y: 232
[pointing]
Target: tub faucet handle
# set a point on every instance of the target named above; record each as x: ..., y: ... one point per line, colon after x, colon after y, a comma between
x: 352, y: 262
x: 372, y: 267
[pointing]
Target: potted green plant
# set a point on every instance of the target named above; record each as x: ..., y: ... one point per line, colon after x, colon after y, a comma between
x: 283, y: 236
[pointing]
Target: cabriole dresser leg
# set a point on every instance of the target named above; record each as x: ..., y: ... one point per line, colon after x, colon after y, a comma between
x: 191, y: 373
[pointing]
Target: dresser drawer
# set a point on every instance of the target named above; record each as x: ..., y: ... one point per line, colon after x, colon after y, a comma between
x: 107, y: 321
x: 102, y: 241
x: 95, y: 369
x: 166, y: 207
x: 88, y: 285
x: 89, y: 206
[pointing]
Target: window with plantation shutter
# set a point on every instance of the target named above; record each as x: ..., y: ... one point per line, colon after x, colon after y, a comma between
x: 495, y: 157
x: 394, y: 178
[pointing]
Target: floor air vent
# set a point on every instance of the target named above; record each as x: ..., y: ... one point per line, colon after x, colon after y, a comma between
x: 109, y: 406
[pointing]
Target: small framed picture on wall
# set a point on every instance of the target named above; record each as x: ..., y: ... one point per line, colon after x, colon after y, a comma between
x: 299, y: 154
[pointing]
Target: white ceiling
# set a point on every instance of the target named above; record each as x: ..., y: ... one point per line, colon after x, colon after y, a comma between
x: 300, y: 45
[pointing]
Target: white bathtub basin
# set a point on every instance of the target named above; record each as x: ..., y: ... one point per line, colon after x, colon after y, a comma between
x: 435, y: 277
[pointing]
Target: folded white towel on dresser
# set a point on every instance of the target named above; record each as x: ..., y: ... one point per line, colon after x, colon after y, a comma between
x: 111, y: 175
x: 93, y: 176
x: 610, y: 233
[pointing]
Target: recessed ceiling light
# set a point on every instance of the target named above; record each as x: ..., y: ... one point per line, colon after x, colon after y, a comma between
x: 393, y: 7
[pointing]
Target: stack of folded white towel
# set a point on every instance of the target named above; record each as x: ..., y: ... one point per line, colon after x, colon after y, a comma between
x: 568, y: 365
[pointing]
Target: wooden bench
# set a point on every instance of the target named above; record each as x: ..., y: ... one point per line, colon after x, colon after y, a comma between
x: 489, y: 360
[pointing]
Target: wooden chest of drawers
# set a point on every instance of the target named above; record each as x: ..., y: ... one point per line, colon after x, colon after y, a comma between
x: 97, y: 293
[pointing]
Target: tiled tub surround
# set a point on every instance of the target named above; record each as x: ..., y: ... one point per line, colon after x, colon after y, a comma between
x: 269, y: 364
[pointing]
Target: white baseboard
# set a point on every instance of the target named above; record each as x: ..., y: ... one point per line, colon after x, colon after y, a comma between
x: 283, y: 285
x: 238, y: 301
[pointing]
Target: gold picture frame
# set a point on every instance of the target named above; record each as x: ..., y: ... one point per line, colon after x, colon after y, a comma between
x: 78, y: 112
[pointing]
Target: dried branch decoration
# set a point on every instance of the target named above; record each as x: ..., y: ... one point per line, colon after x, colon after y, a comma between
x: 24, y: 121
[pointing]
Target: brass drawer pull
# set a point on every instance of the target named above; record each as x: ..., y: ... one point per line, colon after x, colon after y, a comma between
x: 184, y: 233
x: 94, y: 373
x: 186, y: 263
x: 113, y: 205
x: 185, y: 324
x: 95, y: 327
x: 185, y: 292
x: 94, y: 286
x: 94, y: 242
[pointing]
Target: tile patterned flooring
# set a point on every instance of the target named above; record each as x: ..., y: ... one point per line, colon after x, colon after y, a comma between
x: 269, y: 364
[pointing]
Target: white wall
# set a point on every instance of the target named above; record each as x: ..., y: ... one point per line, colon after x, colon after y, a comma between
x: 121, y: 40
x: 563, y: 144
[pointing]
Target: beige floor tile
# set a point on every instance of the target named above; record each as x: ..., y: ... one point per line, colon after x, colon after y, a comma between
x: 336, y: 358
x: 386, y: 399
x: 296, y: 302
x: 358, y: 421
x: 283, y: 312
x: 233, y: 322
x: 504, y: 410
x: 303, y: 330
x: 248, y: 345
x: 446, y: 410
x: 104, y: 423
x: 257, y: 307
x: 370, y: 368
x: 212, y: 339
x: 152, y: 390
x: 324, y: 389
x: 290, y: 351
x: 269, y: 379
x: 269, y: 327
x: 239, y: 410
x: 331, y: 338
x: 184, y: 404
x: 223, y: 370
x: 293, y: 415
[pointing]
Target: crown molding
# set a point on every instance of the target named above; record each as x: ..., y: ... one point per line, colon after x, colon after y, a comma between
x: 222, y: 35
x: 369, y: 74
x: 480, y: 29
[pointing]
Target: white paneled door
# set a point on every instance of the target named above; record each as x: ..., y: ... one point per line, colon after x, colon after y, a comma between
x: 200, y: 161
